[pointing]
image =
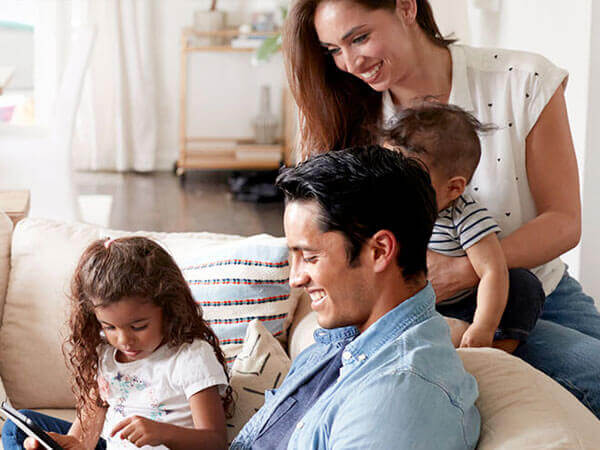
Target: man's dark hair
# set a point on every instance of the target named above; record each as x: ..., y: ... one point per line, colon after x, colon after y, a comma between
x: 446, y: 136
x: 362, y: 190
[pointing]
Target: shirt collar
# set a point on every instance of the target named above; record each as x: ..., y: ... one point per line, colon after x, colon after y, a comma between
x: 386, y: 329
x: 460, y: 94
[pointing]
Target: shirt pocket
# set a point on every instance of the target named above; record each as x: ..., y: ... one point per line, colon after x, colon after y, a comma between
x: 279, y: 412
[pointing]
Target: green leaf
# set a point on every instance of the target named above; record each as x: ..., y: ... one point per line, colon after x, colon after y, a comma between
x: 268, y: 48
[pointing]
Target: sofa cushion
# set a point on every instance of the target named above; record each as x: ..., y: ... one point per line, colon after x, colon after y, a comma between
x: 237, y: 282
x: 261, y: 364
x: 44, y: 255
x: 521, y: 407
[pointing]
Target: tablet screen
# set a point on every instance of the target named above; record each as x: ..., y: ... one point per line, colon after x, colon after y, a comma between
x: 28, y: 427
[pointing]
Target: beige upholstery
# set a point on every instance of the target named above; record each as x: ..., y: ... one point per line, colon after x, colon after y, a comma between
x: 520, y: 406
x: 6, y: 228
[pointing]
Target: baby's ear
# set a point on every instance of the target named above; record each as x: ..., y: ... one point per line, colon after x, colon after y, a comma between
x: 456, y: 186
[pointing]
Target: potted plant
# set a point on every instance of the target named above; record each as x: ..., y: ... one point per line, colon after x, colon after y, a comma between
x: 272, y: 44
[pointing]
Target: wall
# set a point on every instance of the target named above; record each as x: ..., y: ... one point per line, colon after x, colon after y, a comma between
x: 590, y: 244
x: 223, y: 88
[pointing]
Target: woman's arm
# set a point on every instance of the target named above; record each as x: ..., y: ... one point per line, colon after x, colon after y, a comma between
x: 554, y: 184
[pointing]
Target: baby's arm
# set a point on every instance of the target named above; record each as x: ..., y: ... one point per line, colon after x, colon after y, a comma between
x: 208, y: 433
x: 487, y: 258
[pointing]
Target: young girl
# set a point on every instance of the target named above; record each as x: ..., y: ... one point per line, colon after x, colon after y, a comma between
x: 146, y: 368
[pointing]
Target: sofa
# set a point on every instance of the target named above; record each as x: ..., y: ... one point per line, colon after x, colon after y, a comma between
x: 520, y: 406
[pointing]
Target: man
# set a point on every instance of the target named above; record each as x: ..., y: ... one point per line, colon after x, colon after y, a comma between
x: 383, y: 373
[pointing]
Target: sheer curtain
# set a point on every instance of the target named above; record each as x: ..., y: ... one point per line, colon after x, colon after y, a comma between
x: 116, y: 125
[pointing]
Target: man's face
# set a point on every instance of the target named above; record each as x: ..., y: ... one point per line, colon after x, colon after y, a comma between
x: 340, y: 294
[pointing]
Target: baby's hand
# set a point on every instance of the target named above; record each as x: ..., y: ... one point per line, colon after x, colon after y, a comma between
x: 477, y: 336
x: 140, y: 431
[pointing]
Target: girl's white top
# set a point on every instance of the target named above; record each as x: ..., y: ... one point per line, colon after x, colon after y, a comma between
x: 157, y: 387
x: 508, y: 89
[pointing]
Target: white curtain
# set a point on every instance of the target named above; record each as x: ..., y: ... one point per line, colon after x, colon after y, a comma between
x: 116, y: 126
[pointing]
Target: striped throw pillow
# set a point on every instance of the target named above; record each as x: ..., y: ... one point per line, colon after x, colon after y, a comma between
x: 239, y: 281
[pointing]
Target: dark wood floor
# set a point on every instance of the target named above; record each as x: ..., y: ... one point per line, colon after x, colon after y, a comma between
x: 160, y: 202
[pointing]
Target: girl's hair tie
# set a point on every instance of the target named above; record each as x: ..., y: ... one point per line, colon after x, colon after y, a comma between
x: 107, y: 242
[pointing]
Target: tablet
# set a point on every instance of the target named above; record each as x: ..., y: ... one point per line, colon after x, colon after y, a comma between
x: 29, y: 427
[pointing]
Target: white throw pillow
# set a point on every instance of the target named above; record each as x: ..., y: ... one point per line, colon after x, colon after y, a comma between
x: 262, y: 364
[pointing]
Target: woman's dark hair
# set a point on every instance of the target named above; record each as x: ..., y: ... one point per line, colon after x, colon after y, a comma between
x: 110, y: 270
x: 337, y: 110
x: 362, y: 190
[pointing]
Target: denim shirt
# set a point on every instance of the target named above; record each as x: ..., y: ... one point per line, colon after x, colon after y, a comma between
x: 401, y: 385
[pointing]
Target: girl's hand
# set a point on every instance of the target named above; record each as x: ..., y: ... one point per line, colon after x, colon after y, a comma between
x: 140, y: 431
x: 449, y: 275
x: 64, y: 440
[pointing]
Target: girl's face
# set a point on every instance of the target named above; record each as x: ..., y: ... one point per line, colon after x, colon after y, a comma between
x: 134, y: 326
x: 373, y: 45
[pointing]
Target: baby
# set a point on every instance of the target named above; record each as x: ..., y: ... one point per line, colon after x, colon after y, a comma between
x: 506, y: 304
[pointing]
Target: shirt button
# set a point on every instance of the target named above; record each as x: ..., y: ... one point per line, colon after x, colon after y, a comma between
x: 299, y: 425
x: 347, y: 355
x: 362, y: 357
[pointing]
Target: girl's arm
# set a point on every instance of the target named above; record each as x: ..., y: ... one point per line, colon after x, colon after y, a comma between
x: 554, y: 184
x: 75, y: 439
x: 93, y: 428
x: 209, y: 430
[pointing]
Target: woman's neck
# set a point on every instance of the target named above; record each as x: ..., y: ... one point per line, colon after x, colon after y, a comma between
x: 431, y: 74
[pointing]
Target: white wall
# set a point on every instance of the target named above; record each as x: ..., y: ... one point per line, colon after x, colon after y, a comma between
x: 590, y: 243
x: 223, y: 88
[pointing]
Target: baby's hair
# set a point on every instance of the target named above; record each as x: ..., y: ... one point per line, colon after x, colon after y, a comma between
x: 110, y: 270
x: 445, y: 136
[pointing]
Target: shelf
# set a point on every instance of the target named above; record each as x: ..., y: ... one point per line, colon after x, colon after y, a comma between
x: 225, y: 35
x: 231, y: 33
x: 231, y: 153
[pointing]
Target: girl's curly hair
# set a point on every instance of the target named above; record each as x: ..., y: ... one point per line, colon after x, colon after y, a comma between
x: 110, y: 270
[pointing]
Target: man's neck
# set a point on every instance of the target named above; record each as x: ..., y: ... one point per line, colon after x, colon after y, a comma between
x: 393, y: 293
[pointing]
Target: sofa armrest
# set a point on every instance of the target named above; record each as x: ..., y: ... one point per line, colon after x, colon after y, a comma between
x: 6, y: 228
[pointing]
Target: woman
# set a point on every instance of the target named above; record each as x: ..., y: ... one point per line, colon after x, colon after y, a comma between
x: 353, y: 63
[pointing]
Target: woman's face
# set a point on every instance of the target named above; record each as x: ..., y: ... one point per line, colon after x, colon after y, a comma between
x: 373, y: 45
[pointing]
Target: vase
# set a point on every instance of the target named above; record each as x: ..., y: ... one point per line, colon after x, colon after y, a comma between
x: 265, y: 123
x: 209, y: 21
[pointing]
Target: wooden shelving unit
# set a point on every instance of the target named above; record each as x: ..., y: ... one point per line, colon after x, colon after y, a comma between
x: 225, y: 152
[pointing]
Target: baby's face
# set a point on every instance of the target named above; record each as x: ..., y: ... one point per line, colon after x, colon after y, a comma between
x: 440, y: 185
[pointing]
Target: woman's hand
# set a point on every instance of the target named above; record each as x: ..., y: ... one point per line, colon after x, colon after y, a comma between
x: 140, y: 431
x: 449, y: 275
x: 64, y: 440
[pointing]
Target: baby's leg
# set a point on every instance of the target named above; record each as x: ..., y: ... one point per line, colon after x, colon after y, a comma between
x: 525, y: 301
x: 508, y: 345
